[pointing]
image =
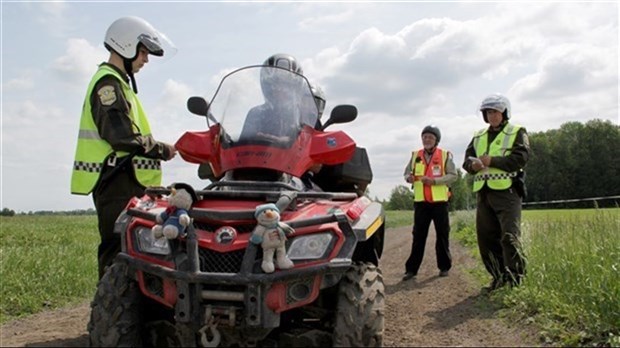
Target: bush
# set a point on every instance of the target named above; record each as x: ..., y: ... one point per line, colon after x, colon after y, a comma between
x: 7, y: 212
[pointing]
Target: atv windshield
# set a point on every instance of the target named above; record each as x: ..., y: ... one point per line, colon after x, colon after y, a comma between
x: 263, y: 105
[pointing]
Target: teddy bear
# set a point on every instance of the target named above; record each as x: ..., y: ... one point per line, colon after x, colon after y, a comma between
x: 173, y: 221
x: 270, y: 234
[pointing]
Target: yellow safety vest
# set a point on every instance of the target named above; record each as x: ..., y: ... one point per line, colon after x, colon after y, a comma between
x: 91, y: 150
x: 495, y: 178
x: 435, y: 168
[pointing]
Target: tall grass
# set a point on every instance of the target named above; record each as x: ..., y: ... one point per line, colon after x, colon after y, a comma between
x: 398, y: 218
x: 46, y: 262
x: 463, y: 228
x: 572, y: 287
x: 573, y: 280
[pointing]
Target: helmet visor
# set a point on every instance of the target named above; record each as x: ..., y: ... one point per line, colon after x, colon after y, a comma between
x: 494, y: 105
x: 152, y: 44
x: 158, y: 44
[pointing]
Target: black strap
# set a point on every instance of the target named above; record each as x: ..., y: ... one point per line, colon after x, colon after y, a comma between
x: 125, y: 162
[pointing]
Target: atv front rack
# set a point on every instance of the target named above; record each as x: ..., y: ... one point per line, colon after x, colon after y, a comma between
x: 268, y: 195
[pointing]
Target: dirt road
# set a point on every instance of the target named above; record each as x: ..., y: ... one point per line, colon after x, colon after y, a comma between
x: 427, y: 311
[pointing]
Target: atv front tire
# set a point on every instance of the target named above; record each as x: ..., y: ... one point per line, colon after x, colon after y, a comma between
x: 361, y: 302
x: 115, y: 319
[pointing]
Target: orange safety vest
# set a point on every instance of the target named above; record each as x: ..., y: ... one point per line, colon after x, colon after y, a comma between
x: 433, y: 169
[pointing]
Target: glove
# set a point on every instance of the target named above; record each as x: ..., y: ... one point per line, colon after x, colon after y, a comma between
x: 168, y: 151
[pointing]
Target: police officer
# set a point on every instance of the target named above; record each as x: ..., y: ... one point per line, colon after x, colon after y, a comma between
x: 496, y: 157
x: 431, y: 169
x: 116, y: 155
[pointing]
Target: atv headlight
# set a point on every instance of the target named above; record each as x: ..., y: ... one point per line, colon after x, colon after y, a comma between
x: 312, y: 246
x: 147, y: 243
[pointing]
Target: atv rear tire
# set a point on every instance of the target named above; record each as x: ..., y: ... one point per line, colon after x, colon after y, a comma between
x: 115, y: 319
x: 361, y: 301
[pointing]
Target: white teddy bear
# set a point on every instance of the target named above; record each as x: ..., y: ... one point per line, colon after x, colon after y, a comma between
x: 174, y: 220
x: 270, y: 234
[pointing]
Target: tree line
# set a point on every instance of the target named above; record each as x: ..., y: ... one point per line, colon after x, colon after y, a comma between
x: 576, y: 161
x: 11, y: 212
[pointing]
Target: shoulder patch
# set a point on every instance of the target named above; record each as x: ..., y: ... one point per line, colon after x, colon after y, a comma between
x: 107, y: 95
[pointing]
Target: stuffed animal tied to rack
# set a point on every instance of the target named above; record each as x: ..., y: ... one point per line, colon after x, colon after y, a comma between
x: 173, y: 221
x: 270, y: 233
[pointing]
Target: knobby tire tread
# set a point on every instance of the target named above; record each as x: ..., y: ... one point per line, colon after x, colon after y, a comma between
x: 115, y: 319
x: 361, y: 302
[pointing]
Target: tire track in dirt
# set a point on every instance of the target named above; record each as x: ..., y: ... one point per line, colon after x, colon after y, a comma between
x: 438, y: 311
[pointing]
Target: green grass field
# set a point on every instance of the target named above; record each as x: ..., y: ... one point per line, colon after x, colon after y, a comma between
x: 573, y: 281
x: 572, y: 288
x: 398, y: 218
x: 47, y: 262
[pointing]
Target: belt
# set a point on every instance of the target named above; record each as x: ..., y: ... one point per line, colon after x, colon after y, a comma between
x: 496, y: 176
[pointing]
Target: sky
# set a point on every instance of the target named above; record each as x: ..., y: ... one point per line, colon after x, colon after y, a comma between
x: 404, y: 65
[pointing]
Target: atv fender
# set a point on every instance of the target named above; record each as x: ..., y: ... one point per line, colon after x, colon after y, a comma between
x: 369, y: 222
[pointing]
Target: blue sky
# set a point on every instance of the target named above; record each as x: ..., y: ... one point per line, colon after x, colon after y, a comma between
x: 403, y: 64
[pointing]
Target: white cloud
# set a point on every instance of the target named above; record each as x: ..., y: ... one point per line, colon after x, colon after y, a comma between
x: 326, y: 63
x: 404, y: 65
x: 37, y: 153
x: 175, y: 93
x: 170, y: 118
x: 80, y: 61
x: 54, y: 9
x: 24, y: 82
x: 568, y: 69
x: 317, y: 23
x: 427, y: 57
x: 42, y: 122
x: 53, y: 16
x: 434, y: 69
x: 570, y: 83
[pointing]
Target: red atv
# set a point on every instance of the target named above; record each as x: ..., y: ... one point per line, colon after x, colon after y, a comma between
x: 206, y: 288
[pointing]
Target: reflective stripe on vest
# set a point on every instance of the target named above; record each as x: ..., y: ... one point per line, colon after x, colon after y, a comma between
x: 501, y: 146
x: 432, y: 193
x: 92, y: 151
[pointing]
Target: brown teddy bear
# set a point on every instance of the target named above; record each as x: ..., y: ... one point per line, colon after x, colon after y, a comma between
x: 173, y: 221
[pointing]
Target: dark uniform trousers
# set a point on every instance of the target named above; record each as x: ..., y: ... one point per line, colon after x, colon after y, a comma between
x: 424, y: 213
x: 111, y: 197
x: 498, y: 220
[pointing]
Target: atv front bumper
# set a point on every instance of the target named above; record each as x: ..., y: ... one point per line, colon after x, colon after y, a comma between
x: 256, y: 298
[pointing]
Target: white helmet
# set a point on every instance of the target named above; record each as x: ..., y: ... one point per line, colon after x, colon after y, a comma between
x: 495, y: 102
x: 124, y: 35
